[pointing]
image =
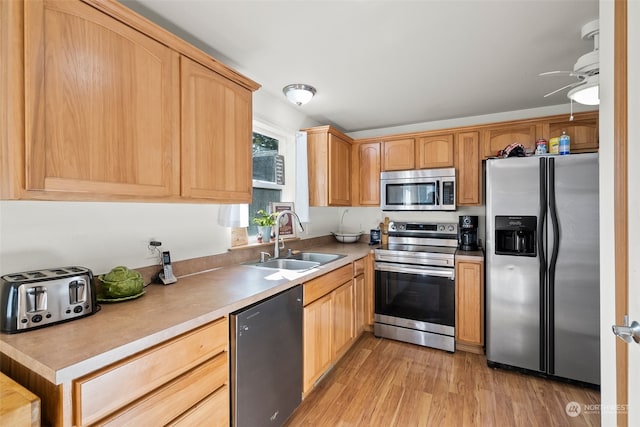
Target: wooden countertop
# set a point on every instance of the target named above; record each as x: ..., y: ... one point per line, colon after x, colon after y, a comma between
x: 18, y: 407
x: 69, y: 350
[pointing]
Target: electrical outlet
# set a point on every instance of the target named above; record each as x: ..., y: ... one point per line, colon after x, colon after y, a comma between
x: 153, y: 248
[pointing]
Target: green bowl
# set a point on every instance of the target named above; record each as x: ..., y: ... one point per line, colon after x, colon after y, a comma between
x: 121, y: 282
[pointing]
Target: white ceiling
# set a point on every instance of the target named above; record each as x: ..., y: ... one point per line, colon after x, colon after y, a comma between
x: 378, y: 64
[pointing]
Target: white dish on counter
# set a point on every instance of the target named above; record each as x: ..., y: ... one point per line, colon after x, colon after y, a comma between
x: 347, y: 237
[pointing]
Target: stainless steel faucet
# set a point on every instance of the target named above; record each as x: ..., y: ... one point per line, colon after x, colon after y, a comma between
x: 276, y: 249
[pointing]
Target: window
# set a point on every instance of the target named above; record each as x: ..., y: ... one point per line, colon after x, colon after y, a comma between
x: 268, y: 171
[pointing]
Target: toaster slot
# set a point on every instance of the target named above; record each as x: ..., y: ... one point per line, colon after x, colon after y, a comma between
x: 77, y: 291
x: 36, y: 299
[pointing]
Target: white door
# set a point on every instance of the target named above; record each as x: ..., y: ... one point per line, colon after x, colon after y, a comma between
x: 611, y: 412
x: 633, y: 73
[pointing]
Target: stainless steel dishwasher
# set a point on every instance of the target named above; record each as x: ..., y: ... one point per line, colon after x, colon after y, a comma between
x: 266, y: 360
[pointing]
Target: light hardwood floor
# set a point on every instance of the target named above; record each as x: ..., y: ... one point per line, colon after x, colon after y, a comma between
x: 382, y: 382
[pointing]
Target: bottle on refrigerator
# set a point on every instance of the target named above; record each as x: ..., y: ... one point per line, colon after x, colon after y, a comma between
x: 564, y: 145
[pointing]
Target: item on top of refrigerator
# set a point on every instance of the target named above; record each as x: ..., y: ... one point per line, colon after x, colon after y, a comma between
x: 541, y: 147
x: 564, y: 145
x: 513, y: 150
x: 554, y: 144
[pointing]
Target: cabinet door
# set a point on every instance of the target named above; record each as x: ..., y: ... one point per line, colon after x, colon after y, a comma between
x: 360, y: 303
x: 434, y: 151
x: 497, y: 138
x: 216, y: 136
x: 369, y: 283
x: 101, y: 106
x: 583, y: 132
x: 367, y: 174
x: 467, y: 163
x: 470, y: 302
x: 317, y: 353
x: 398, y: 154
x: 343, y: 319
x: 339, y: 171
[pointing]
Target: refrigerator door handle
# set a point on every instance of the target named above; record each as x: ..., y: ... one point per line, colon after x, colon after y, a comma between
x: 553, y: 211
x: 542, y: 216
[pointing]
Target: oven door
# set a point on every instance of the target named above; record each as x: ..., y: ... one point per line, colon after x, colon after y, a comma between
x: 416, y: 297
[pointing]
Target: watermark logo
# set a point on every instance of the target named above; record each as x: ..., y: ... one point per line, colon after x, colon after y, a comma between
x: 573, y: 409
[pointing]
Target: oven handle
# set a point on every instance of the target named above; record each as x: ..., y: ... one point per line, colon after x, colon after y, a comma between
x: 449, y: 273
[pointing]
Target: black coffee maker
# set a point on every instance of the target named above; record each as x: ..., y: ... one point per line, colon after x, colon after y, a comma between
x: 468, y: 233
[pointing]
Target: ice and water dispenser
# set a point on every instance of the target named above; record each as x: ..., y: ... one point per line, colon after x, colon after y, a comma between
x: 516, y: 235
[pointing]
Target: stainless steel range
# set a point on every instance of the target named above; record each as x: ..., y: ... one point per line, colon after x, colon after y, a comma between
x: 415, y: 284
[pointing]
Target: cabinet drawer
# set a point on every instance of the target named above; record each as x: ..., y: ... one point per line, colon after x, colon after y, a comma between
x: 320, y: 286
x: 99, y: 394
x: 358, y: 267
x: 212, y: 411
x: 176, y: 397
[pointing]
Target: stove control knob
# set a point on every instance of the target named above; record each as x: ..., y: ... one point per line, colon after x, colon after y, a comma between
x: 441, y: 228
x: 450, y: 228
x: 401, y: 227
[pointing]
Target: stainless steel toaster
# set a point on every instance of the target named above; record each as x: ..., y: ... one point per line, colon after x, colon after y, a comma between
x: 33, y: 299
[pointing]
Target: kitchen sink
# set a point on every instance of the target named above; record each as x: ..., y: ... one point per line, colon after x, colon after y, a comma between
x: 286, y: 264
x: 299, y: 261
x: 316, y: 257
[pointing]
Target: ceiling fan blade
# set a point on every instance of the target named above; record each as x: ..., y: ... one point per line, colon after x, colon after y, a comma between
x: 550, y: 73
x: 563, y: 87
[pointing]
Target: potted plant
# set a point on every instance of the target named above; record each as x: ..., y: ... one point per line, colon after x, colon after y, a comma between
x: 265, y: 222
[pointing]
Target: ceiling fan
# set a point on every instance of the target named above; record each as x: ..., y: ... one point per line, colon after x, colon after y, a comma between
x: 586, y: 70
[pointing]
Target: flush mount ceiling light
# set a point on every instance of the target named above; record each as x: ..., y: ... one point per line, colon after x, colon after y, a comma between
x: 587, y: 93
x: 299, y: 93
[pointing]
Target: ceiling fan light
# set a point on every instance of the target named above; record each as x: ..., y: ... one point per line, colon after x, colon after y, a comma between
x: 298, y: 93
x: 587, y: 93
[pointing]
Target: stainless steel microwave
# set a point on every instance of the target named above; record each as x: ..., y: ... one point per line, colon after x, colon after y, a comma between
x: 418, y: 190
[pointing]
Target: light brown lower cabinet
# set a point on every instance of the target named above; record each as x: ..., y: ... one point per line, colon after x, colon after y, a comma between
x: 317, y: 340
x: 213, y: 411
x: 175, y: 376
x: 335, y: 307
x: 470, y: 306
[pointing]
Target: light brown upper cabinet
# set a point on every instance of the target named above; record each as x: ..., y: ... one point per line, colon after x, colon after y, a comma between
x: 468, y: 169
x: 498, y: 137
x: 216, y: 136
x: 329, y: 161
x: 583, y: 131
x: 366, y: 174
x: 93, y: 95
x: 101, y: 106
x: 434, y: 151
x: 398, y: 154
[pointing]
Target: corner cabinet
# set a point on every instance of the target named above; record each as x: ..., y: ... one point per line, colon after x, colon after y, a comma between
x: 143, y: 117
x: 105, y: 123
x: 216, y: 136
x: 470, y: 304
x: 583, y: 131
x: 329, y: 162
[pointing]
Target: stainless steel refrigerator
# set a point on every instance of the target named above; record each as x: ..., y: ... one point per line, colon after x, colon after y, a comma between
x: 542, y: 260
